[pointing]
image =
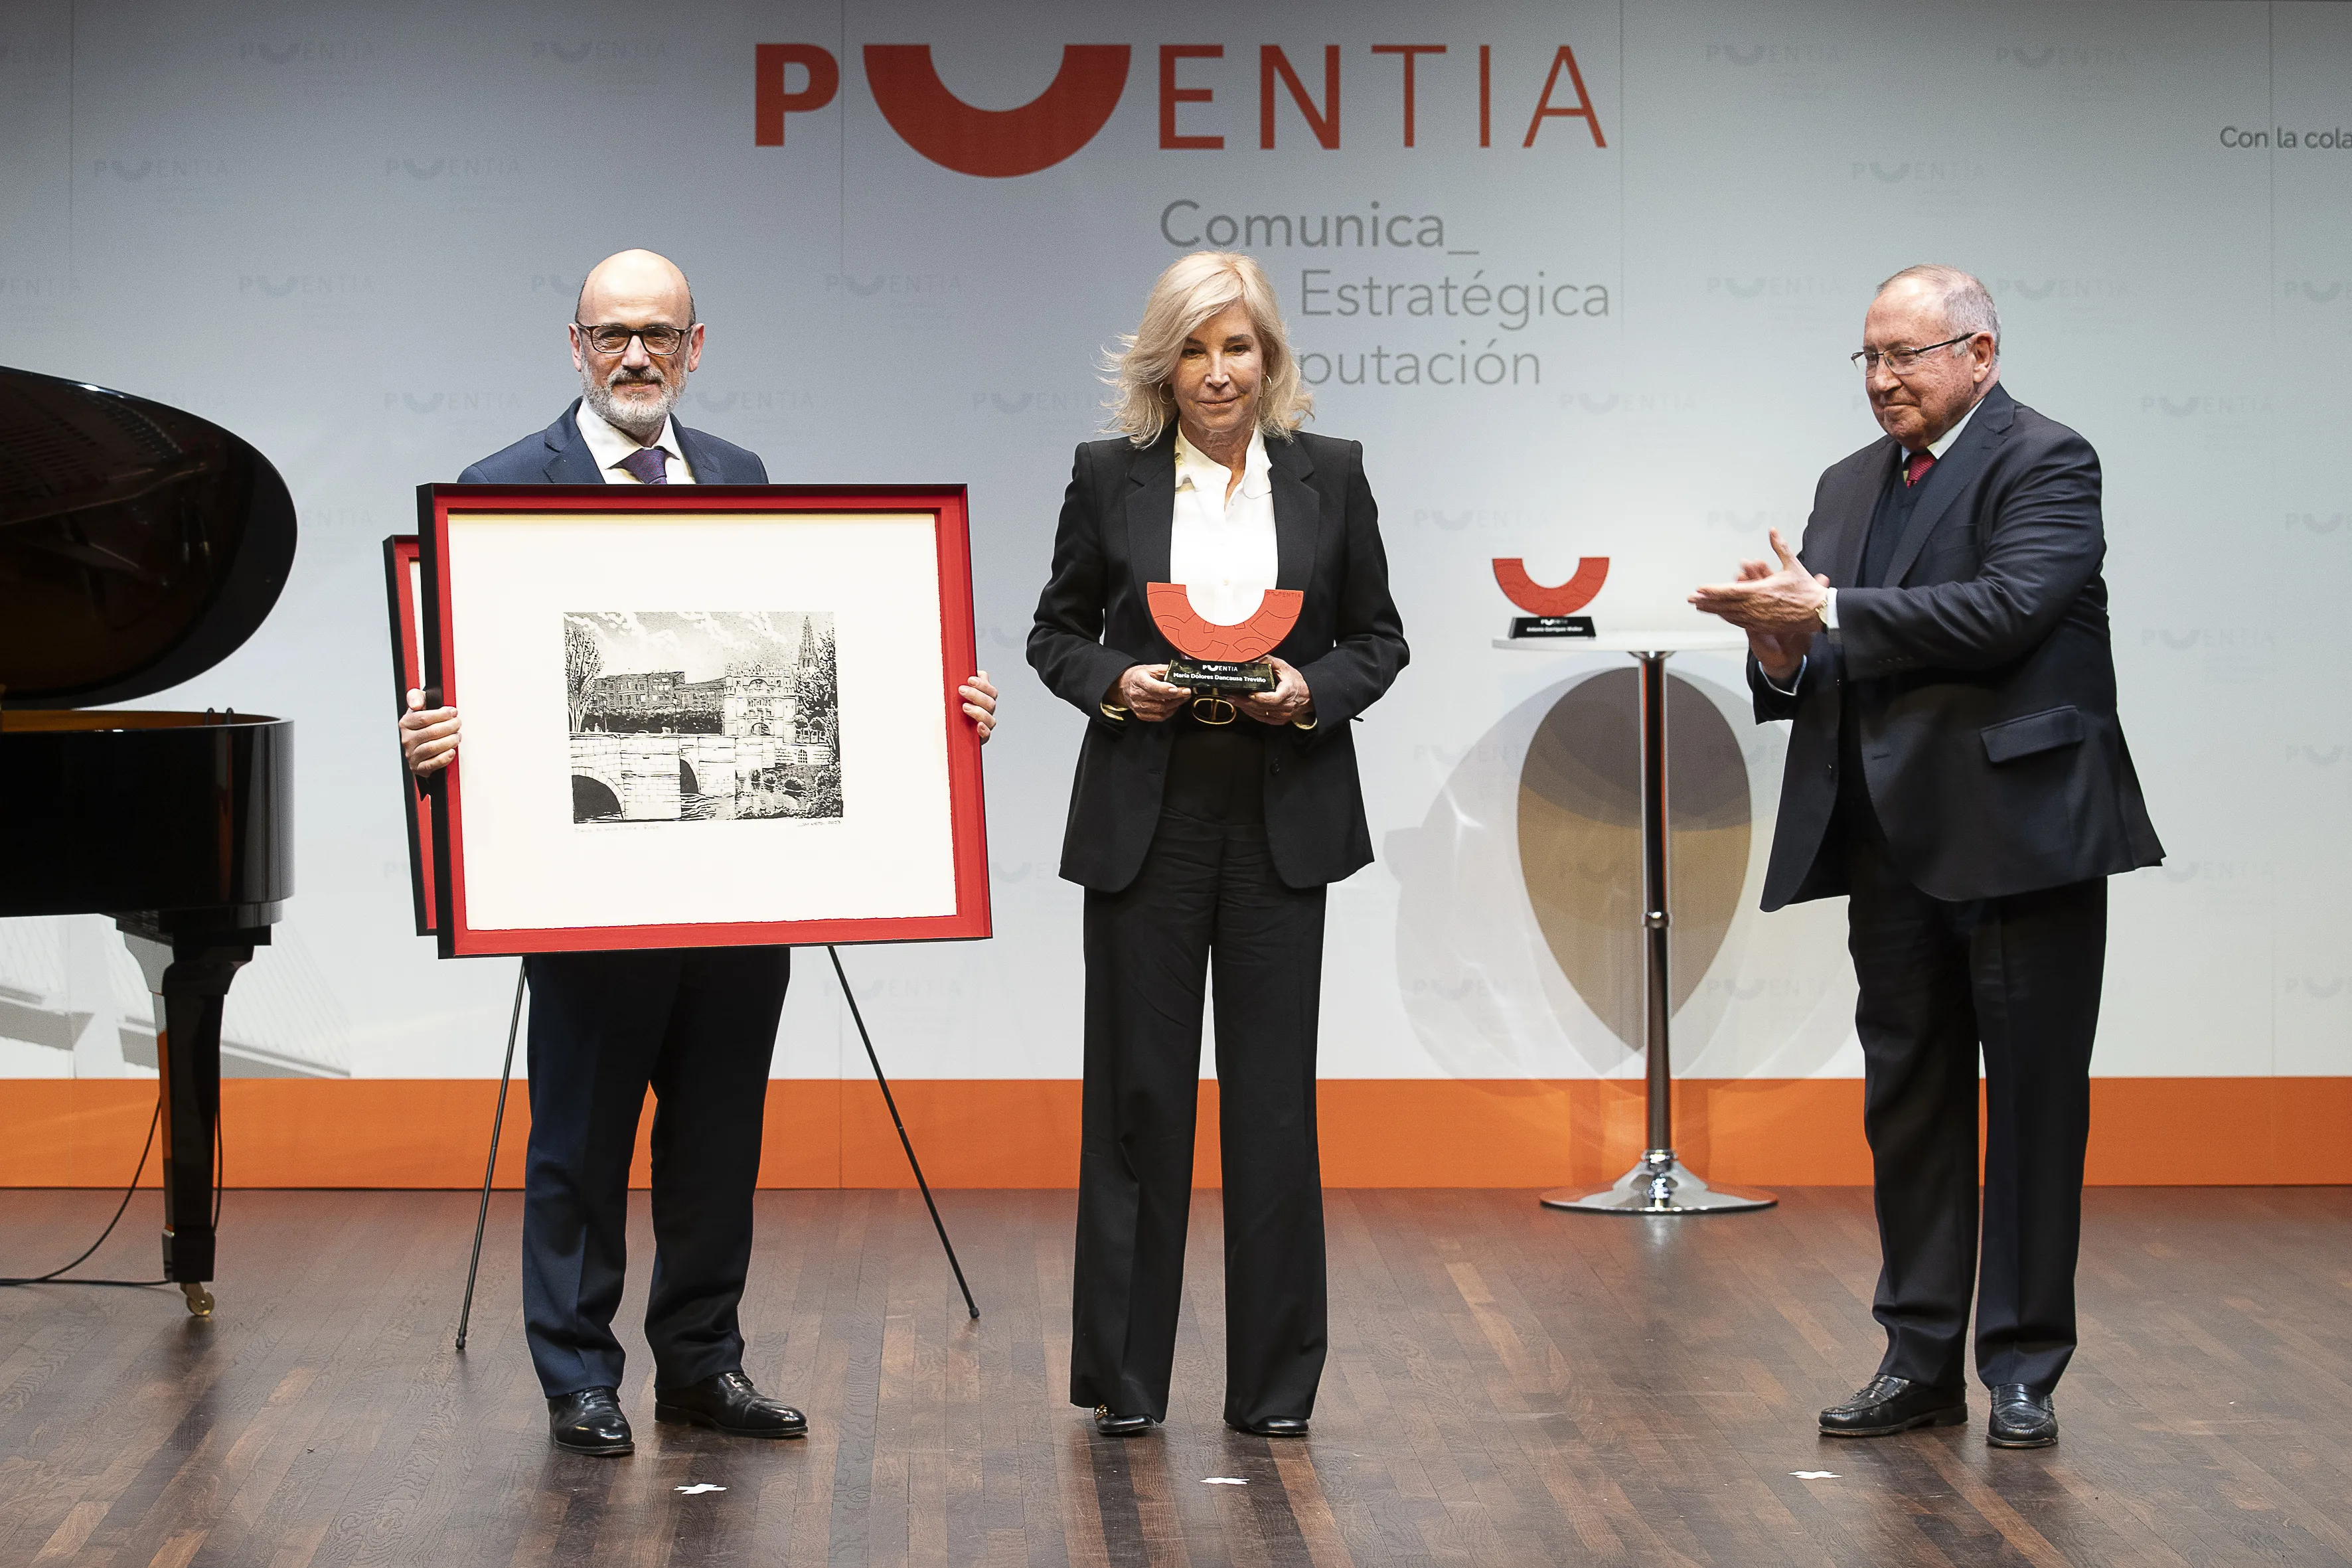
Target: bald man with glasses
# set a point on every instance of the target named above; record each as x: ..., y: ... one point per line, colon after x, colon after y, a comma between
x: 696, y: 1025
x: 1957, y: 771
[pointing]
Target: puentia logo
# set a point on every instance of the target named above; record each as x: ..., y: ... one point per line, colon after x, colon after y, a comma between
x: 801, y: 78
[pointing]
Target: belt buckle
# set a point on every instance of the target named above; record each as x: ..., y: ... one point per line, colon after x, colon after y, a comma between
x: 1205, y: 710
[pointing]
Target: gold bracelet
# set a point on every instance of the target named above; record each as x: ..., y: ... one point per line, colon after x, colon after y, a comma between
x: 1303, y: 723
x: 1113, y: 712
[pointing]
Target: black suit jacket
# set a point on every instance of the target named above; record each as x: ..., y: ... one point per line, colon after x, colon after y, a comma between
x: 559, y: 455
x: 1980, y: 676
x: 1093, y: 622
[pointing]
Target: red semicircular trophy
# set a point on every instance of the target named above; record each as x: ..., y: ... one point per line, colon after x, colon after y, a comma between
x: 1220, y: 661
x: 1551, y: 611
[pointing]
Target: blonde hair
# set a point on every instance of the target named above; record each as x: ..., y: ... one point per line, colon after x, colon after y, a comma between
x: 1194, y: 289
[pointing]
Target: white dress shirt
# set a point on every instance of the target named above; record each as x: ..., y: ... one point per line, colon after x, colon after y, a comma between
x: 1220, y: 547
x: 608, y: 445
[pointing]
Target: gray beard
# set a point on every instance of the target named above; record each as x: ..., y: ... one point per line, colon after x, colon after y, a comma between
x: 639, y: 419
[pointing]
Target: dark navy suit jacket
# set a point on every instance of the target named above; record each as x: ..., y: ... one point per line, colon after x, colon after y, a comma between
x: 1979, y: 676
x: 559, y: 455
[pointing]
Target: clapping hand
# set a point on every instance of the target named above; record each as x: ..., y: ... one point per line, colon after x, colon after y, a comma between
x: 1780, y: 607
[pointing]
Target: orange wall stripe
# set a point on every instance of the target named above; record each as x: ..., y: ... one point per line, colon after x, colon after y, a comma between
x: 1023, y: 1132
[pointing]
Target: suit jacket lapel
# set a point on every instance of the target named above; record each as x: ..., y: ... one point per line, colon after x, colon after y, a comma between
x: 1949, y: 477
x: 1855, y: 508
x: 698, y: 460
x: 1298, y: 513
x: 568, y: 461
x: 1151, y: 508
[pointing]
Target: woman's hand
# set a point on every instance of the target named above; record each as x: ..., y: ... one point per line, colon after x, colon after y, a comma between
x: 979, y: 704
x: 1142, y: 692
x: 1289, y: 703
x: 429, y: 736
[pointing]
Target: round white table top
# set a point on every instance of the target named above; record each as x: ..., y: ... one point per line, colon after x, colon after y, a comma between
x: 1681, y: 639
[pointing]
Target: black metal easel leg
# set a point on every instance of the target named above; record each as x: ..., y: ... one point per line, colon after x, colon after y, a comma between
x: 904, y: 1141
x: 482, y: 1220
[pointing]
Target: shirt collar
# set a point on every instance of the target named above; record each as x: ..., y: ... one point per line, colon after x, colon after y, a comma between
x: 608, y: 443
x: 1210, y: 476
x: 1943, y: 444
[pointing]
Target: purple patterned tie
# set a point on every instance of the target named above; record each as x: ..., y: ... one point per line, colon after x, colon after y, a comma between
x: 649, y: 464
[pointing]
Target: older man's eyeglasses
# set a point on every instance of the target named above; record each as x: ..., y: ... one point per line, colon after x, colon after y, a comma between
x: 612, y: 338
x: 1899, y: 360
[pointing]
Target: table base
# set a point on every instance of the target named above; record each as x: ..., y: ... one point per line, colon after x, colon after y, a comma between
x: 1659, y: 1185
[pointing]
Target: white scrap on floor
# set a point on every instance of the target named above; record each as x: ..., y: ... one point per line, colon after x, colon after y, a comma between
x: 699, y: 1488
x: 1222, y: 1481
x: 1814, y: 1475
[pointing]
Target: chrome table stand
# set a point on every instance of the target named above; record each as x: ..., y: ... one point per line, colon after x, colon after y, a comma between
x: 1661, y: 1184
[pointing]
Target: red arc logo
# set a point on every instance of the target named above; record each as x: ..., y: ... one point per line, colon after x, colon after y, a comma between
x: 996, y: 144
x: 1570, y: 596
x: 1195, y: 637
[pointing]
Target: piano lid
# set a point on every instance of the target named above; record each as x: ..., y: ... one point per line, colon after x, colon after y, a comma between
x: 139, y: 545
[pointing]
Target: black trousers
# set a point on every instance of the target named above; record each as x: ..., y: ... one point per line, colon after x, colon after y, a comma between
x: 1207, y: 894
x: 699, y: 1027
x: 2019, y: 976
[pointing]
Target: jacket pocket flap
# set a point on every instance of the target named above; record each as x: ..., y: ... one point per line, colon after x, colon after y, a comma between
x: 2014, y: 738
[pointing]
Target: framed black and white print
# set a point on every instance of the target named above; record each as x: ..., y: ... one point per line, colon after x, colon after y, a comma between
x: 702, y: 716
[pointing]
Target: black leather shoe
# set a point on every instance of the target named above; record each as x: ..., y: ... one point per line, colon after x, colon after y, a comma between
x: 590, y: 1421
x: 1111, y: 1425
x: 2021, y: 1418
x: 1278, y: 1426
x: 1887, y: 1404
x: 728, y: 1403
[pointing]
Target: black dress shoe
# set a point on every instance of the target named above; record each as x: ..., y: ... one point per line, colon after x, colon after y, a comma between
x: 1113, y: 1425
x: 1277, y: 1426
x: 1886, y: 1405
x: 2021, y: 1418
x: 590, y: 1421
x: 728, y: 1403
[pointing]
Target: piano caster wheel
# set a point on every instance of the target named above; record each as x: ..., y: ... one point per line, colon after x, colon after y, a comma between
x: 200, y: 1300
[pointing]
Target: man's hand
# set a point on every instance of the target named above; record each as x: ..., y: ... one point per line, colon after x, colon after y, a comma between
x: 1142, y: 692
x: 429, y: 736
x: 1779, y: 608
x: 979, y: 704
x: 1289, y: 700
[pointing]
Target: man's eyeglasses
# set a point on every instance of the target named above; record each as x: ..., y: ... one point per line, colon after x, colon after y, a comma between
x: 1897, y: 360
x: 612, y: 338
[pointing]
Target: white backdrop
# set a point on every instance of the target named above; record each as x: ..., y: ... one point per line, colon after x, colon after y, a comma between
x: 351, y: 234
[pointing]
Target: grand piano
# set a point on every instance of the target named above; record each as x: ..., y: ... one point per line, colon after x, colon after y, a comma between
x: 140, y: 546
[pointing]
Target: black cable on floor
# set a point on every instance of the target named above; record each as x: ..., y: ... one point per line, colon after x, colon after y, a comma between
x: 51, y: 1278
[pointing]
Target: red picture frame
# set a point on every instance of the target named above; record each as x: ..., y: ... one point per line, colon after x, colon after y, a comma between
x: 945, y: 505
x: 402, y: 569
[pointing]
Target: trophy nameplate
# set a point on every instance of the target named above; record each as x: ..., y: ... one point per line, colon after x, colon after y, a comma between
x: 1218, y: 663
x: 1552, y: 626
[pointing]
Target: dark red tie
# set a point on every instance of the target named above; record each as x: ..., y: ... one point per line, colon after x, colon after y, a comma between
x: 1917, y: 467
x: 649, y: 464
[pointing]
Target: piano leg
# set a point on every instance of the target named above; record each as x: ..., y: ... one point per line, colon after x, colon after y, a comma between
x: 189, y: 970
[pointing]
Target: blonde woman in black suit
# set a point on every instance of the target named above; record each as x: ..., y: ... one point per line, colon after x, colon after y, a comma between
x: 1201, y: 842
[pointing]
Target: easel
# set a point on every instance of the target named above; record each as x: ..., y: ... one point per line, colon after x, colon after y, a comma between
x: 498, y: 1122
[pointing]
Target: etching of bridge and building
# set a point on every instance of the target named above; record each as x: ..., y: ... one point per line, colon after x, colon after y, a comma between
x: 656, y: 747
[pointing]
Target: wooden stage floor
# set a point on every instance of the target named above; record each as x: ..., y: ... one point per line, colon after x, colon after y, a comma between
x: 1508, y: 1386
